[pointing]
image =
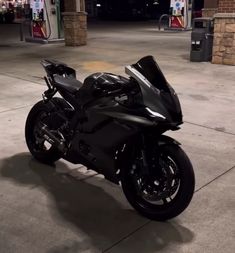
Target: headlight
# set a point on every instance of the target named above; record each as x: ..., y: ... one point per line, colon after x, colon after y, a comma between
x: 154, y: 114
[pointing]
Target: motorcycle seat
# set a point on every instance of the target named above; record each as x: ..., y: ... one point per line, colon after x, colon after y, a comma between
x: 71, y: 85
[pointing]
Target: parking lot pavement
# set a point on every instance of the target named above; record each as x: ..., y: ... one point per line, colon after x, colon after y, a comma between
x: 69, y: 209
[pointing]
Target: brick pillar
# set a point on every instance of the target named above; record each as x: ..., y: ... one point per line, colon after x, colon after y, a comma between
x: 75, y: 23
x: 224, y: 33
x: 70, y: 5
x: 210, y: 8
x: 226, y: 6
x: 209, y: 12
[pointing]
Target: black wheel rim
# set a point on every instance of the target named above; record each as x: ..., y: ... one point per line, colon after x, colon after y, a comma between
x: 38, y: 142
x: 158, y: 190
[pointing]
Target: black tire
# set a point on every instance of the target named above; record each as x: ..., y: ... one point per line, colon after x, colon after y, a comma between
x: 48, y: 156
x: 182, y: 197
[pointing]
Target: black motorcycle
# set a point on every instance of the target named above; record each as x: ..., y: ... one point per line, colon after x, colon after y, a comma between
x: 114, y: 126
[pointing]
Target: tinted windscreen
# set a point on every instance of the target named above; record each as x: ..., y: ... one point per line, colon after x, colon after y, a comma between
x: 148, y: 67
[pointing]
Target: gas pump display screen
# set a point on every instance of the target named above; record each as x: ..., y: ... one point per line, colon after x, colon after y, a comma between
x: 177, y: 7
x: 37, y: 9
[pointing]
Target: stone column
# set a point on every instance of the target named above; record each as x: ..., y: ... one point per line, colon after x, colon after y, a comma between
x: 75, y: 23
x: 224, y: 33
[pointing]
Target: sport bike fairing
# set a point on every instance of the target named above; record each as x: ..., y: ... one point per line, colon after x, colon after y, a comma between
x: 159, y: 97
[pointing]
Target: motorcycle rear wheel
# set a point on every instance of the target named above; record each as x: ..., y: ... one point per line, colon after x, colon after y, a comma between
x: 37, y: 148
x: 166, y: 196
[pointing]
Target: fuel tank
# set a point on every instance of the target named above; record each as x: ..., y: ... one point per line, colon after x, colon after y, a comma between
x: 98, y: 85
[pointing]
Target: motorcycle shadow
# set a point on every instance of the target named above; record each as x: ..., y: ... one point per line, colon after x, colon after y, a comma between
x: 94, y: 207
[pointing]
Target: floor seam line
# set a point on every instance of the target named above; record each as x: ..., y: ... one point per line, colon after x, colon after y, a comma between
x: 214, y: 179
x: 15, y: 109
x: 130, y: 234
x: 20, y: 78
x: 127, y: 236
x: 207, y: 127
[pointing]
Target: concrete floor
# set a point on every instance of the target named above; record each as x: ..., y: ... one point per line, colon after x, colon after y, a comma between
x: 67, y: 209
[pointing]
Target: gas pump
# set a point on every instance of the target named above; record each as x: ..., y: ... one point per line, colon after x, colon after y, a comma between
x: 181, y: 14
x: 46, y: 20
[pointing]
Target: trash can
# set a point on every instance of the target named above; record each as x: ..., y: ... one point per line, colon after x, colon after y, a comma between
x: 202, y: 39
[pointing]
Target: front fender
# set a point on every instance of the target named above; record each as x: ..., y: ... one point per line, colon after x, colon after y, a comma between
x: 124, y: 154
x: 165, y: 140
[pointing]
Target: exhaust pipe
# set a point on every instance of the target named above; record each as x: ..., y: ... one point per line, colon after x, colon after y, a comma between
x: 52, y: 139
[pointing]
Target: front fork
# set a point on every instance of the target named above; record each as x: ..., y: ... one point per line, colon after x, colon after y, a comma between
x: 145, y: 168
x: 150, y: 152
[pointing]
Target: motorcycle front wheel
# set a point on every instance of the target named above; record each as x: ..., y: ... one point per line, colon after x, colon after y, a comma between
x: 167, y: 190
